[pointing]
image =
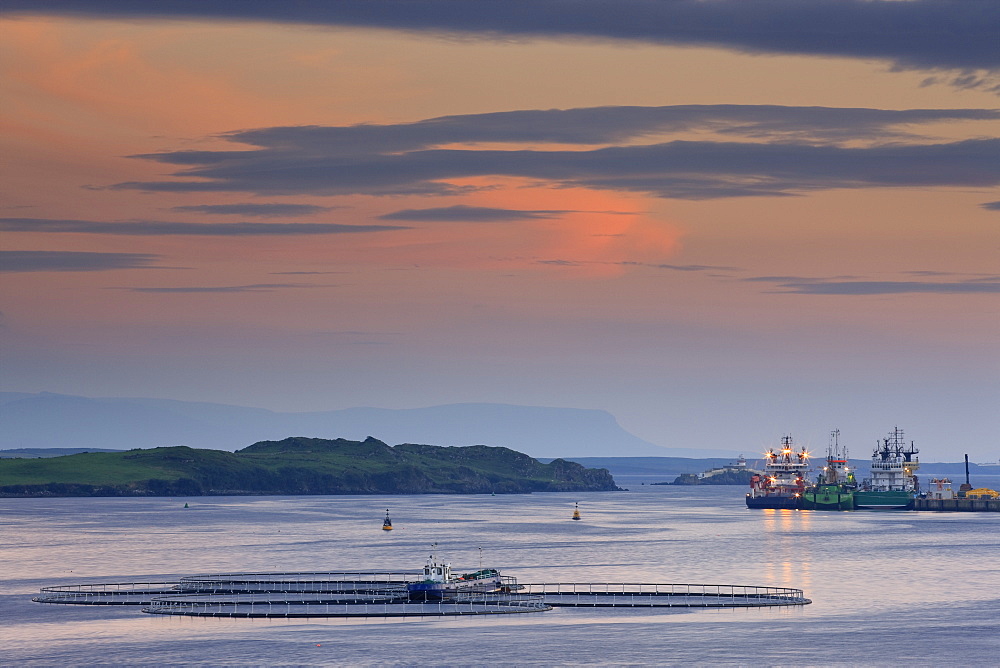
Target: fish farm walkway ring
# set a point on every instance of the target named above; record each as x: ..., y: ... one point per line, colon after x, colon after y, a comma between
x: 384, y: 594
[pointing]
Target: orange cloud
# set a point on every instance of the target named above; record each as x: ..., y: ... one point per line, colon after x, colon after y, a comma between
x: 599, y: 234
x: 587, y: 234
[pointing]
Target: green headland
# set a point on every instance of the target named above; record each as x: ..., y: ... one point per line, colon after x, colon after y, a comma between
x: 298, y: 466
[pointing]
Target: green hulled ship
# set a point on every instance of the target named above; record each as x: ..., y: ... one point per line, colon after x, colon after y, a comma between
x: 834, y: 489
x: 892, y: 484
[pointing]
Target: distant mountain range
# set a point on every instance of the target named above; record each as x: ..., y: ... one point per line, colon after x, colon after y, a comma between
x: 47, y: 420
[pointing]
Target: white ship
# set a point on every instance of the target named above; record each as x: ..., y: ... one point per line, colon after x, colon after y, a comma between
x: 783, y: 482
x: 892, y: 483
x: 439, y: 582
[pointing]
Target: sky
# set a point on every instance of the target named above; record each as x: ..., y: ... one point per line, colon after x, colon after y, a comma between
x: 723, y: 221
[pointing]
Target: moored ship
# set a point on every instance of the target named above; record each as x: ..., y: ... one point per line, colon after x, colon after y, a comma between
x: 783, y: 482
x: 834, y: 489
x: 736, y: 472
x: 440, y: 583
x: 892, y: 484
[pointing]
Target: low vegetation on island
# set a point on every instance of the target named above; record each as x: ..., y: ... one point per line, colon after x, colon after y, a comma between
x: 724, y: 478
x: 298, y: 466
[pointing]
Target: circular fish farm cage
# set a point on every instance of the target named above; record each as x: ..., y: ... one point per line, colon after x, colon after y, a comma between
x: 640, y: 595
x: 256, y: 606
x: 385, y: 594
x: 114, y: 593
x: 359, y: 582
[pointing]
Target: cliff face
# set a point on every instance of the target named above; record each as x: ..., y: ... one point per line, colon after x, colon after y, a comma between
x: 299, y: 465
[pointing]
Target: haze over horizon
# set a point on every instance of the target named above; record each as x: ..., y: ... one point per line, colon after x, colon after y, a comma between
x: 718, y: 221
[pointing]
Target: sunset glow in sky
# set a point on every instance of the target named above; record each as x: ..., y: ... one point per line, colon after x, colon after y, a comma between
x: 720, y: 220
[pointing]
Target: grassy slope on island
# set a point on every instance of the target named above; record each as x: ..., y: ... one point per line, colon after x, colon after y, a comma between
x: 297, y: 466
x: 725, y: 478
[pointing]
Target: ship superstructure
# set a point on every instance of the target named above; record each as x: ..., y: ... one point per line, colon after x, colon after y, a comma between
x: 892, y: 483
x: 834, y: 488
x: 940, y: 490
x: 783, y: 481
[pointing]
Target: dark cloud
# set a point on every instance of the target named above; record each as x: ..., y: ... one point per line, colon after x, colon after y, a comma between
x: 925, y: 34
x: 991, y: 206
x: 12, y: 261
x: 773, y: 279
x: 304, y: 273
x: 821, y: 286
x: 965, y: 276
x: 680, y: 267
x: 358, y: 337
x: 588, y: 126
x: 469, y: 214
x: 255, y: 210
x: 160, y: 228
x: 889, y: 288
x: 257, y: 287
x: 628, y: 263
x: 409, y: 158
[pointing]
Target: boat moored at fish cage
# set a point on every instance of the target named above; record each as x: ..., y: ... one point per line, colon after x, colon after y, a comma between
x: 439, y: 582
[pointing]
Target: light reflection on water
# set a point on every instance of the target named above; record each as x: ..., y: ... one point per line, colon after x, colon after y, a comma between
x: 887, y: 587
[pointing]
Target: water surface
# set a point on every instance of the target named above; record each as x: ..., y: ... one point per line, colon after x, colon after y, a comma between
x: 887, y: 587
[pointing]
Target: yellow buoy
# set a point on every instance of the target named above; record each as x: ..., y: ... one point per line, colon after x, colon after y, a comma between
x: 576, y: 512
x: 387, y: 524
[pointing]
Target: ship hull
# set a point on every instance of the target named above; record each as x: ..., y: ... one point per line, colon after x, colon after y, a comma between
x: 775, y: 502
x: 436, y: 591
x: 896, y: 500
x: 828, y: 497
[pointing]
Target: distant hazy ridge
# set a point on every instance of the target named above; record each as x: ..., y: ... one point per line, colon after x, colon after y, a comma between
x: 62, y: 421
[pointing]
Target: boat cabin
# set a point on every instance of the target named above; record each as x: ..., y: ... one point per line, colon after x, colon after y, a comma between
x: 436, y: 571
x: 940, y: 488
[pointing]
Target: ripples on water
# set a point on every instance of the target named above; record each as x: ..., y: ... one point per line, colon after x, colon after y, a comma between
x: 887, y: 588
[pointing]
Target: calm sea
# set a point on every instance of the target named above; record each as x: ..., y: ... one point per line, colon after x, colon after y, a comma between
x: 888, y: 588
